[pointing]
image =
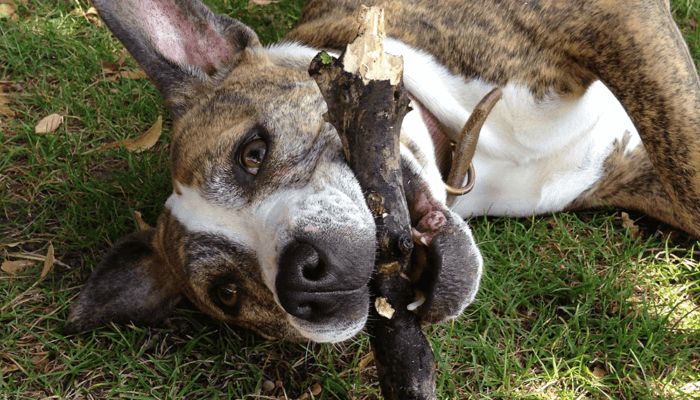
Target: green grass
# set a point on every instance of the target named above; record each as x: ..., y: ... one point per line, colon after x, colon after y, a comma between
x: 572, y: 305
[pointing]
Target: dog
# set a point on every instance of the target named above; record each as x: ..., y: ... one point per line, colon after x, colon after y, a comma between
x: 267, y: 227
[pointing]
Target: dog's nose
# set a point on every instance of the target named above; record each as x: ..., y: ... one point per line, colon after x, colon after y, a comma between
x: 309, y: 287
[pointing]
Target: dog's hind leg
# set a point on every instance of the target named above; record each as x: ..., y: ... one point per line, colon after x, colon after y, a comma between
x: 630, y: 181
x: 640, y: 55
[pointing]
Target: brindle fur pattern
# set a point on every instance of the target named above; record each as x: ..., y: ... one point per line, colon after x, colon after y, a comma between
x: 561, y: 47
x: 224, y: 90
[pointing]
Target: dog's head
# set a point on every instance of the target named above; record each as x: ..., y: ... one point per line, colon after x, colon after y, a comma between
x: 267, y: 226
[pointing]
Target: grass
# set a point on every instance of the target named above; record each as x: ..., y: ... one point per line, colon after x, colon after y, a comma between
x: 572, y: 305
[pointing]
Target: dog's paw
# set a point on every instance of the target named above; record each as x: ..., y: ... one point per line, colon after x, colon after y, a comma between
x: 446, y: 263
x: 451, y: 268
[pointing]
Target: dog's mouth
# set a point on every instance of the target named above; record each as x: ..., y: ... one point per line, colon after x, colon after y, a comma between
x: 323, y: 275
x: 322, y: 282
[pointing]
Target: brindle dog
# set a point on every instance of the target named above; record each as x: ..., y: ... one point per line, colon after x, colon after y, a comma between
x: 267, y: 227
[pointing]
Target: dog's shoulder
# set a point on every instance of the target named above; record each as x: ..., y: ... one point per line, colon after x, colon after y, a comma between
x: 496, y: 41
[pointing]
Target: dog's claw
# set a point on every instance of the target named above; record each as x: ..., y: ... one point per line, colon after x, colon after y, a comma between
x: 418, y: 237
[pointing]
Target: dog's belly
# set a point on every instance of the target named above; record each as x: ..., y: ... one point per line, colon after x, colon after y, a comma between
x: 539, y: 158
x: 534, y: 155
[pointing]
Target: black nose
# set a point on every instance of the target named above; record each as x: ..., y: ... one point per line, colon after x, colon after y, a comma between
x: 309, y: 287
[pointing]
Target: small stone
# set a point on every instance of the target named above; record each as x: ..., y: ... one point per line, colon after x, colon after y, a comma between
x: 268, y: 386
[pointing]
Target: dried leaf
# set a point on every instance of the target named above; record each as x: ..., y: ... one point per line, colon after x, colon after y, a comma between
x: 142, y: 225
x: 48, y: 261
x: 49, y: 124
x: 262, y: 2
x: 628, y: 223
x: 4, y: 100
x: 108, y: 67
x: 6, y: 111
x: 138, y: 74
x: 122, y: 57
x: 147, y: 140
x: 7, y: 11
x: 39, y: 360
x: 12, y: 267
x: 365, y: 361
x: 78, y: 12
x: 9, y: 368
x: 316, y: 389
x: 692, y: 23
x: 599, y: 373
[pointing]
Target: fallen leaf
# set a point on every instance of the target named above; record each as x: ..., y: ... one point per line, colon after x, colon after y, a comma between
x: 6, y: 111
x: 49, y: 124
x: 365, y: 361
x: 692, y: 23
x: 142, y: 225
x: 122, y: 57
x: 7, y: 11
x: 10, y: 368
x: 4, y: 100
x: 48, y: 261
x: 12, y: 267
x: 628, y: 223
x: 108, y: 67
x: 599, y: 373
x: 313, y: 392
x: 147, y: 140
x: 138, y: 74
x: 262, y: 2
x: 78, y: 12
x: 316, y: 389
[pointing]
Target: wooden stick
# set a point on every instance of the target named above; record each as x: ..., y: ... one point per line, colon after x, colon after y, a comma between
x: 366, y: 104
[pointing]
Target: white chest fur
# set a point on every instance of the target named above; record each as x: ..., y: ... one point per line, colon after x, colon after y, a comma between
x: 532, y: 156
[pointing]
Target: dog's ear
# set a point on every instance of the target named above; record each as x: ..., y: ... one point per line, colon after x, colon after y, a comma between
x: 130, y: 284
x: 180, y: 44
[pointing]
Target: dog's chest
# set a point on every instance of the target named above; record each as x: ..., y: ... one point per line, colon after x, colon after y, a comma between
x: 541, y: 147
x: 534, y: 155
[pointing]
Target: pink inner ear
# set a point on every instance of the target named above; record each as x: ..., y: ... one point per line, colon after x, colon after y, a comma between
x: 179, y: 39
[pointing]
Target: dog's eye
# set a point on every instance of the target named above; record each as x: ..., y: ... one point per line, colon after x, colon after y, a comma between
x: 228, y: 294
x: 253, y: 155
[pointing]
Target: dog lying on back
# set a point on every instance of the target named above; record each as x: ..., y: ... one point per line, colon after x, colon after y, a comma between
x: 267, y: 227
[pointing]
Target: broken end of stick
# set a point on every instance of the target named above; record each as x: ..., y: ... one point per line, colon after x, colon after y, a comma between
x: 365, y: 56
